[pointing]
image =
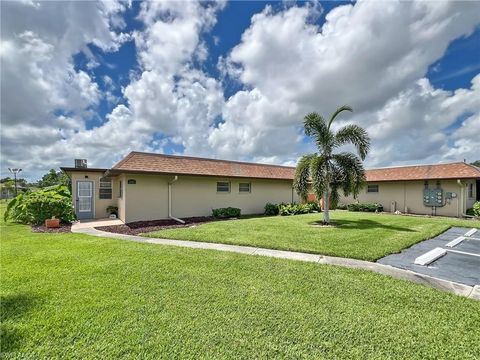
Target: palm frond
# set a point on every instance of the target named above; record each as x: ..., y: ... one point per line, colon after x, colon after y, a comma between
x: 301, y: 182
x: 352, y: 172
x: 319, y: 175
x: 355, y: 135
x: 337, y: 112
x: 316, y: 127
x: 334, y: 197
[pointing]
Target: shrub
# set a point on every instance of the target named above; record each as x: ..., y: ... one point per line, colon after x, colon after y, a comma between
x: 368, y: 207
x: 285, y: 209
x: 296, y: 209
x: 271, y: 209
x: 341, y: 206
x: 314, y: 206
x: 112, y: 209
x: 37, y: 206
x: 476, y: 208
x: 470, y: 212
x: 228, y: 212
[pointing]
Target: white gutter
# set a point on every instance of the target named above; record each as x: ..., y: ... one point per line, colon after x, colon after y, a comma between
x: 461, y: 200
x: 170, y: 201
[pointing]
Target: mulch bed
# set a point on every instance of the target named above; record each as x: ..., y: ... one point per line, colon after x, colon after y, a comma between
x: 137, y: 227
x: 64, y: 228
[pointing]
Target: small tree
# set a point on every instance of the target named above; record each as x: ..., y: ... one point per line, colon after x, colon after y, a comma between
x: 34, y: 207
x: 325, y: 171
x: 53, y: 178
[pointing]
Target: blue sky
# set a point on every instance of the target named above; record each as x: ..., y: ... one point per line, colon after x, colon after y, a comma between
x: 233, y: 80
x: 455, y: 69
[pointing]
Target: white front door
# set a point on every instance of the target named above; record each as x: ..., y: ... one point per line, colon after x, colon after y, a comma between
x: 84, y: 200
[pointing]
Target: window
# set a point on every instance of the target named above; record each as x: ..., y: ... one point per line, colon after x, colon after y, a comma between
x: 470, y: 190
x: 223, y: 186
x: 120, y: 191
x: 372, y: 188
x: 244, y: 187
x: 105, y: 188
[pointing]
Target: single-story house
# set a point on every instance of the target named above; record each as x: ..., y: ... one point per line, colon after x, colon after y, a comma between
x: 146, y: 186
x: 442, y: 189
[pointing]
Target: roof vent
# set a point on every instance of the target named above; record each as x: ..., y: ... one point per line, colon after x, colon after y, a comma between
x: 81, y: 163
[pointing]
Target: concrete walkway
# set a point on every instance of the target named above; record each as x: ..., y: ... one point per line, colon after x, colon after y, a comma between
x: 87, y: 224
x: 445, y: 285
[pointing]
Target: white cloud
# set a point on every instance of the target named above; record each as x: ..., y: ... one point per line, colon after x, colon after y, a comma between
x: 412, y: 127
x: 168, y: 96
x: 39, y: 77
x: 371, y: 55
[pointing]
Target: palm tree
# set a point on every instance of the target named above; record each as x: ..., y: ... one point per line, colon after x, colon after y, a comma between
x: 327, y: 172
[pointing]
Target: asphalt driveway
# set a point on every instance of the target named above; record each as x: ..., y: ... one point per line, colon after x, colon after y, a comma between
x: 453, y: 255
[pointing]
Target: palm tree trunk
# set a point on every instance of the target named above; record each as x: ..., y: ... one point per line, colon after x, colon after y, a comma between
x: 326, y: 207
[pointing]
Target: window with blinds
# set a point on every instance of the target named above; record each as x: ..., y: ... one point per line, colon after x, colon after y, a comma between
x: 105, y: 188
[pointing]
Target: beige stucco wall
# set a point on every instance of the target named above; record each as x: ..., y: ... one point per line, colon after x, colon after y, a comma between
x: 147, y: 199
x: 100, y: 205
x: 408, y: 197
x: 196, y: 196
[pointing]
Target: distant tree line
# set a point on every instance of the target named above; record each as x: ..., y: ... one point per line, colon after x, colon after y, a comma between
x: 52, y: 178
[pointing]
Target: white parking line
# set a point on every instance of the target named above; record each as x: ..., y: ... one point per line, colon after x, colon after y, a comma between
x: 464, y: 253
x: 473, y: 238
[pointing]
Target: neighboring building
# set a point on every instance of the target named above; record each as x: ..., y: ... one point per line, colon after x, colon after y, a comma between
x: 148, y: 186
x: 443, y: 189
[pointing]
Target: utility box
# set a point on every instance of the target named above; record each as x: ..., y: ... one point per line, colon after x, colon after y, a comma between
x: 433, y: 197
x: 450, y: 195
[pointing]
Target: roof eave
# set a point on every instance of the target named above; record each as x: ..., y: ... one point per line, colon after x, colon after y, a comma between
x: 73, y: 169
x: 116, y: 172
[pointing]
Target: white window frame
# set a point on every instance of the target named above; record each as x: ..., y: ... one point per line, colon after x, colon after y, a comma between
x: 470, y: 191
x: 373, y: 192
x: 243, y: 191
x: 100, y: 188
x: 223, y: 191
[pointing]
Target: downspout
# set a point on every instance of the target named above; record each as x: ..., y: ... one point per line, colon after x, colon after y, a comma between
x: 170, y: 201
x: 461, y: 200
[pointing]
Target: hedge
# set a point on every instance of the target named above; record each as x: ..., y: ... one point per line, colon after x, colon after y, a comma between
x: 224, y: 213
x: 368, y: 207
x: 296, y: 209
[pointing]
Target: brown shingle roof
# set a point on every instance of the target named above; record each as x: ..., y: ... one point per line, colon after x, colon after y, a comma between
x: 186, y: 165
x: 458, y: 170
x: 178, y: 165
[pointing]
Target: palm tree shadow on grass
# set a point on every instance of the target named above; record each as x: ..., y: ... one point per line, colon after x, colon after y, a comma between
x: 363, y: 224
x: 12, y: 308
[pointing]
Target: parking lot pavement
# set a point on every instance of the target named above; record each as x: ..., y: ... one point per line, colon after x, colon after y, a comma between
x: 459, y: 261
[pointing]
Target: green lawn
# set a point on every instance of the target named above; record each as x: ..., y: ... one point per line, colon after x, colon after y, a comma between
x: 75, y: 296
x: 365, y: 236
